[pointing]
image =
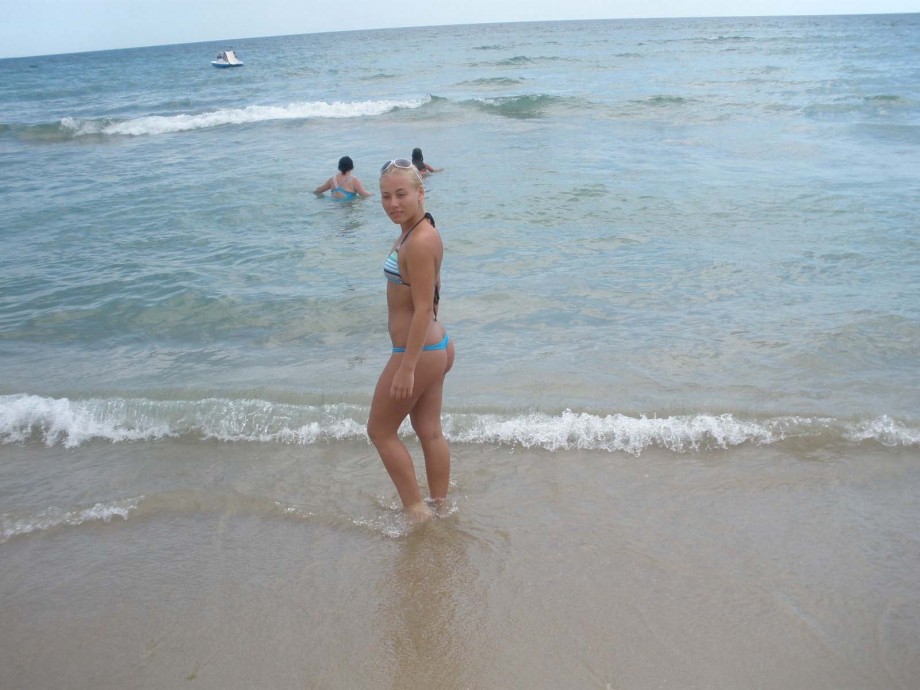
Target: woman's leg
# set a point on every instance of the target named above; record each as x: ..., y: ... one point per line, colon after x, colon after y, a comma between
x: 426, y: 421
x: 387, y: 414
x: 383, y: 426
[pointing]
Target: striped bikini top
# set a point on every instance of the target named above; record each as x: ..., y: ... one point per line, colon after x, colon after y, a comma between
x: 391, y: 268
x: 391, y: 265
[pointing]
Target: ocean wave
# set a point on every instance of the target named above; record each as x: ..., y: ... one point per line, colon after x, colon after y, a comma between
x: 386, y: 518
x: 72, y: 423
x: 676, y: 433
x: 720, y: 38
x: 493, y: 81
x: 14, y: 525
x: 522, y: 60
x: 380, y: 76
x: 661, y: 101
x: 713, y: 38
x: 883, y: 430
x: 584, y: 431
x: 173, y: 502
x: 525, y: 106
x: 166, y: 124
x: 867, y: 106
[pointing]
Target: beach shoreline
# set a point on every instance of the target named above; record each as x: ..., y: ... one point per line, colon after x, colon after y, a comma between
x: 562, y: 569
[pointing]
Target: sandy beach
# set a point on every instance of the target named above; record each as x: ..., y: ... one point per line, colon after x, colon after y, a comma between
x: 563, y: 570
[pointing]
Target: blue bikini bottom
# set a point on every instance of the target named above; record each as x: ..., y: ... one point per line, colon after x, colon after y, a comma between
x: 437, y: 346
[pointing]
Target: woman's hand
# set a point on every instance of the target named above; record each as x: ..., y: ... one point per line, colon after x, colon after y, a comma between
x: 403, y: 383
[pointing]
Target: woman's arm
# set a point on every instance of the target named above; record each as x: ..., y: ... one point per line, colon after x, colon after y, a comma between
x: 323, y: 187
x: 422, y: 265
x: 359, y: 188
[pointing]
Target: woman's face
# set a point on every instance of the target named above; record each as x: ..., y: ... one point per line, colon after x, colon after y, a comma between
x: 400, y: 197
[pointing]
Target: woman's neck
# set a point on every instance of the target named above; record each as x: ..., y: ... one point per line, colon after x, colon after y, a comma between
x: 410, y: 225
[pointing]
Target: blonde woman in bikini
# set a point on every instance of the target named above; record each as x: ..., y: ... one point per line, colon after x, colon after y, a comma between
x: 412, y: 382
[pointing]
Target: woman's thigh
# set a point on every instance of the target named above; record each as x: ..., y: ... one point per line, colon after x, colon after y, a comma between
x: 386, y: 413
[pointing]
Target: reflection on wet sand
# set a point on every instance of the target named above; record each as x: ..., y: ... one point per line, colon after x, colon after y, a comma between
x: 431, y: 611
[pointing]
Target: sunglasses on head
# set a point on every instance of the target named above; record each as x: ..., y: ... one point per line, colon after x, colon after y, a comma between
x: 402, y: 164
x: 399, y: 163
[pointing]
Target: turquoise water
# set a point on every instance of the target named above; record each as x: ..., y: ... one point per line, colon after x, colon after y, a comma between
x: 694, y: 220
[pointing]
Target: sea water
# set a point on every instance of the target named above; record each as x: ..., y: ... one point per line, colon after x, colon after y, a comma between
x: 694, y: 216
x: 666, y: 241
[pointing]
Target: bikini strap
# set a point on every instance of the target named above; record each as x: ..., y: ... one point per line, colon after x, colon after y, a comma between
x: 427, y: 217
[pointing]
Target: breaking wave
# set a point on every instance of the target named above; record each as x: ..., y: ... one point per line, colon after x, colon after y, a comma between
x: 72, y: 423
x: 526, y: 106
x: 165, y: 124
x: 12, y: 525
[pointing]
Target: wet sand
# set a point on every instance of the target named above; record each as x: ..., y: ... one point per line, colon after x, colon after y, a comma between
x: 754, y: 567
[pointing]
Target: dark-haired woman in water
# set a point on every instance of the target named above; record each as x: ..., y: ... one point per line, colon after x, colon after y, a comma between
x: 344, y: 186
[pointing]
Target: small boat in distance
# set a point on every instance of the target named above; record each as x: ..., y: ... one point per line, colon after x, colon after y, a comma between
x: 227, y: 58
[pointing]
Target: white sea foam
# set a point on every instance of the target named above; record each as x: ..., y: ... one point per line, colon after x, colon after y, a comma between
x: 884, y: 430
x: 12, y: 525
x: 164, y: 124
x: 71, y: 423
x: 583, y: 431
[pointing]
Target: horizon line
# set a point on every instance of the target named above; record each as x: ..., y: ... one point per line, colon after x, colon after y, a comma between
x: 436, y: 26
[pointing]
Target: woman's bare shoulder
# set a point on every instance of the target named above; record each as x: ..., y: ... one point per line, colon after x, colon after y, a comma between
x: 424, y: 240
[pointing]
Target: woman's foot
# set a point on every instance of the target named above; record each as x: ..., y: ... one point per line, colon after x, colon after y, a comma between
x: 438, y: 506
x: 418, y: 512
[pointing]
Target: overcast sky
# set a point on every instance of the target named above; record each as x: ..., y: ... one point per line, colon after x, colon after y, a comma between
x: 43, y: 27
